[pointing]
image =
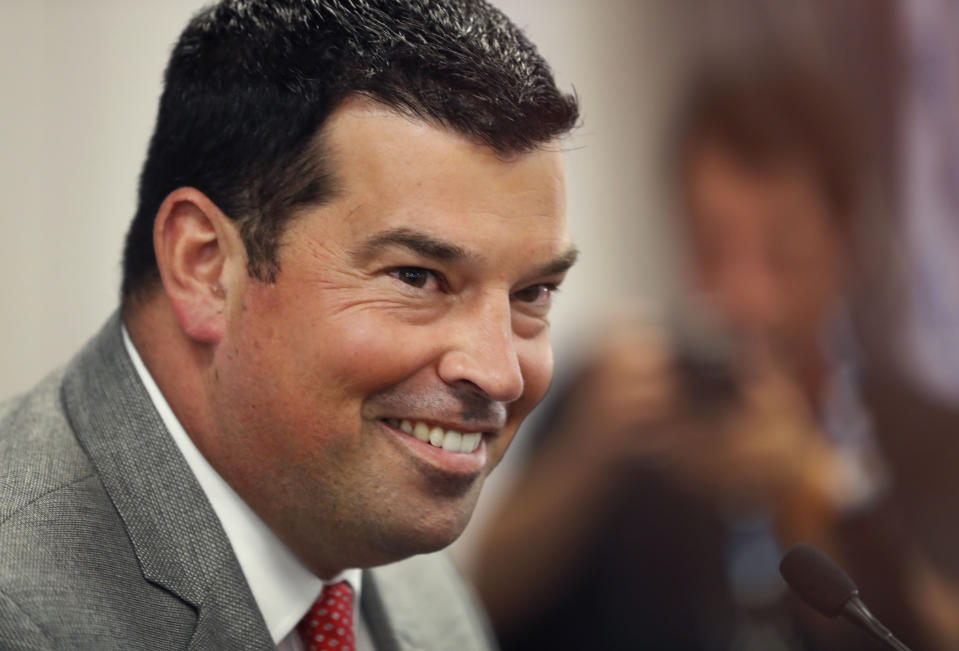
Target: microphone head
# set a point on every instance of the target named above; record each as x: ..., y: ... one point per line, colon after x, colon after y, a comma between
x: 817, y: 579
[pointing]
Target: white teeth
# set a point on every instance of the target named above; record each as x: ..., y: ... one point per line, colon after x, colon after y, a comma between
x: 450, y: 440
x: 470, y: 442
x: 422, y: 432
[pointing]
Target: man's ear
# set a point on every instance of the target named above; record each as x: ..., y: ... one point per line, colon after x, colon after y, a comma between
x: 197, y: 250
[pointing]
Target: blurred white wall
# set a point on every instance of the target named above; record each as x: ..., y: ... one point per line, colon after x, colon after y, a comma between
x: 80, y: 83
x: 619, y: 57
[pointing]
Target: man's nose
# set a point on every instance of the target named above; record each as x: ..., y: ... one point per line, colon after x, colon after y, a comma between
x: 483, y: 355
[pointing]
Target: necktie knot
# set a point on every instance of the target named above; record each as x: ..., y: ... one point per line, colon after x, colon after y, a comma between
x: 328, y: 626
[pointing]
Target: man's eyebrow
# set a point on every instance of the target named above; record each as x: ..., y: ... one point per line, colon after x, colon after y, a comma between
x: 416, y: 241
x: 559, y: 264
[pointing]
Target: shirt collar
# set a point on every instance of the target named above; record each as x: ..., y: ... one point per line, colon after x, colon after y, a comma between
x: 284, y: 589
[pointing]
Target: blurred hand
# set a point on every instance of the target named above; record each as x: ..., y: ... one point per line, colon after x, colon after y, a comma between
x: 759, y: 451
x: 620, y: 410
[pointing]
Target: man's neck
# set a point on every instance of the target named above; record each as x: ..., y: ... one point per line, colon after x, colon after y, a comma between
x: 177, y: 365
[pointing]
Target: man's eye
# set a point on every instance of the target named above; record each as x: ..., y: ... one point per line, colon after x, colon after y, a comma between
x: 537, y: 295
x: 413, y: 276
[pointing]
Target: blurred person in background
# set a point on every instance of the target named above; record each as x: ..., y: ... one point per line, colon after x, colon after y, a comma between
x: 677, y: 465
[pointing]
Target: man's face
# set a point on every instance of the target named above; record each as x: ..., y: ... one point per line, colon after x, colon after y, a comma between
x: 766, y: 249
x: 416, y: 300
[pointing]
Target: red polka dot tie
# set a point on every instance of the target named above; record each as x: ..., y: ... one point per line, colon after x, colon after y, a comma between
x: 329, y: 624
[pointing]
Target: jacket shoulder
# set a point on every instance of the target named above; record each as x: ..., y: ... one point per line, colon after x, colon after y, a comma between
x: 38, y: 450
x: 68, y: 570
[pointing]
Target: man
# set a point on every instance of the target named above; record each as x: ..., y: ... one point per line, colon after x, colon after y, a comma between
x: 335, y: 316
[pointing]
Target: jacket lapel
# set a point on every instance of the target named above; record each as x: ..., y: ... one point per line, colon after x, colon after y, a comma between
x: 174, y: 531
x: 384, y: 630
x: 420, y: 604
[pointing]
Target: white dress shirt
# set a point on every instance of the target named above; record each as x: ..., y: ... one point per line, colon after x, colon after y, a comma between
x: 284, y: 589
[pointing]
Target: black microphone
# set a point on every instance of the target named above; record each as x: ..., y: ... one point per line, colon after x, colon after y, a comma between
x: 823, y: 585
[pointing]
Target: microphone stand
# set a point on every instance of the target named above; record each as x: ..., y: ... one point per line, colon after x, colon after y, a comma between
x: 856, y: 612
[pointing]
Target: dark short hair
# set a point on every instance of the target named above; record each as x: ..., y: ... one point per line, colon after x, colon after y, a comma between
x: 250, y: 84
x: 769, y: 114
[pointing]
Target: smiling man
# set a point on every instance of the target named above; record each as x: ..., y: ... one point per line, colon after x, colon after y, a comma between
x: 335, y: 316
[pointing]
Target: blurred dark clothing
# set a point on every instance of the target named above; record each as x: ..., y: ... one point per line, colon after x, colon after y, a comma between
x: 920, y: 437
x: 655, y: 576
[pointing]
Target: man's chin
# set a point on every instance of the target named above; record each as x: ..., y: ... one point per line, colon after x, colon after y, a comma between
x: 433, y: 530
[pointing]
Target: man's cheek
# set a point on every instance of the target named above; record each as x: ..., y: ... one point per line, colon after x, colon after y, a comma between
x: 376, y: 354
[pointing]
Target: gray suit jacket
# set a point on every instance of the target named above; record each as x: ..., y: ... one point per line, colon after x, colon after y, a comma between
x: 108, y: 542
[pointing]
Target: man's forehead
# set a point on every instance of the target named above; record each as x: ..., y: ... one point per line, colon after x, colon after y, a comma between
x: 363, y: 136
x: 406, y: 184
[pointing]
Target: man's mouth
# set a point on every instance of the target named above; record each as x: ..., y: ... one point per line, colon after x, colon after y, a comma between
x: 450, y: 440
